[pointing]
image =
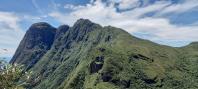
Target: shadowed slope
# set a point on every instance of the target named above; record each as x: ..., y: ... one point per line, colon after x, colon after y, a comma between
x: 35, y: 44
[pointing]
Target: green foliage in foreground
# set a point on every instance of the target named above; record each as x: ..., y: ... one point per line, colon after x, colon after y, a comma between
x: 10, y: 75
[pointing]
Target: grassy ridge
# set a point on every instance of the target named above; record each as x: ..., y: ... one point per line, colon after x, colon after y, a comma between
x: 89, y: 56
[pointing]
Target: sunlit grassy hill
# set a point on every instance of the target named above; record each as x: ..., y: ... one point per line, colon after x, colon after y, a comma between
x: 89, y: 56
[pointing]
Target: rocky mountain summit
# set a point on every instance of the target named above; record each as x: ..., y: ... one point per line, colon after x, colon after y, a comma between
x: 90, y: 56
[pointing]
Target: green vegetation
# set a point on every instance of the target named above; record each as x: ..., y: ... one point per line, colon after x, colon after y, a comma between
x: 89, y: 56
x: 12, y: 76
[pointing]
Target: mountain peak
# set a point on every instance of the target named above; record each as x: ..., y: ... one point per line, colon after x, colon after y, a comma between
x: 61, y: 30
x: 40, y: 26
x: 63, y: 26
x: 108, y: 55
x: 82, y: 21
x: 38, y: 38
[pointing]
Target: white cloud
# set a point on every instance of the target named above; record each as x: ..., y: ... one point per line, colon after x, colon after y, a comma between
x: 138, y: 12
x: 3, y: 51
x: 128, y: 4
x: 10, y: 33
x: 73, y: 7
x: 181, y: 7
x: 6, y: 52
x: 55, y: 5
x: 37, y: 7
x: 33, y: 19
x: 131, y: 20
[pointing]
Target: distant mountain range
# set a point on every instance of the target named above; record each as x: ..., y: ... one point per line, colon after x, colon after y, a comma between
x: 89, y: 56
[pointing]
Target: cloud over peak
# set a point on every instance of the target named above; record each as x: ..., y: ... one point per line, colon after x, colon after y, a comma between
x: 162, y: 21
x: 133, y: 18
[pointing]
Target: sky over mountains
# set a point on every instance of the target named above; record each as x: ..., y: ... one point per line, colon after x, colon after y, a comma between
x: 168, y: 22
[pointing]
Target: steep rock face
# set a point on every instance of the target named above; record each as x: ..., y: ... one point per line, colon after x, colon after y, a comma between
x: 89, y: 56
x: 61, y: 30
x: 36, y: 42
x: 66, y: 53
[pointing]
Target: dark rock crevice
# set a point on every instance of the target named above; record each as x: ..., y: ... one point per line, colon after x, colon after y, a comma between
x: 106, y: 77
x: 97, y: 64
x: 124, y: 83
x: 134, y: 57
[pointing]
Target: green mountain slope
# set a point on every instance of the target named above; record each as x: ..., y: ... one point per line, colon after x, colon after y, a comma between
x: 89, y: 56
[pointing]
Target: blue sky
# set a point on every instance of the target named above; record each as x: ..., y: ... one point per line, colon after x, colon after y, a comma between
x: 167, y: 22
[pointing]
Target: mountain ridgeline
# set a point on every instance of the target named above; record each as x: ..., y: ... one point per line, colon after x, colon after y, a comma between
x: 89, y: 56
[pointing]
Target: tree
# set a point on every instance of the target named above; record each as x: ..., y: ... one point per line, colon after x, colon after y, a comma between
x: 12, y: 76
